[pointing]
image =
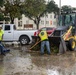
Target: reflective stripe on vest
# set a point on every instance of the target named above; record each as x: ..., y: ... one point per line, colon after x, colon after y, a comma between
x: 43, y: 35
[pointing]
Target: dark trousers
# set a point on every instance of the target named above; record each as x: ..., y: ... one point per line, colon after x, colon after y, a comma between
x: 1, y: 47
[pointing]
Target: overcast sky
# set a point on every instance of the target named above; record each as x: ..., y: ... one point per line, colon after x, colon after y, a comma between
x: 66, y: 2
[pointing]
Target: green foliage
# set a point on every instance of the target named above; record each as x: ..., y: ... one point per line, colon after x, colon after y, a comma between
x: 52, y: 7
x: 67, y: 9
x: 34, y: 9
x: 1, y: 2
x: 12, y: 9
x: 1, y: 17
x: 53, y: 48
x: 6, y: 18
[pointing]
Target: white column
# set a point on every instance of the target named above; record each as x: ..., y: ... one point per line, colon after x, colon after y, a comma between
x: 45, y: 20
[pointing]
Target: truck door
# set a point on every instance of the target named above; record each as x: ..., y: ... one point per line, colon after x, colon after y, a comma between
x: 8, y: 33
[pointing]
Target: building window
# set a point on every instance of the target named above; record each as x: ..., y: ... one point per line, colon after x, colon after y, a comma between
x: 27, y: 22
x: 50, y: 22
x: 47, y: 22
x: 50, y: 16
x: 42, y: 22
x: 46, y: 16
x: 20, y: 24
x: 28, y: 26
x: 54, y: 16
x: 42, y: 16
x: 54, y: 22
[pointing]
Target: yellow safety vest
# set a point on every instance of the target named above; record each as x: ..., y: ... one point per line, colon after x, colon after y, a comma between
x: 1, y: 33
x: 43, y: 35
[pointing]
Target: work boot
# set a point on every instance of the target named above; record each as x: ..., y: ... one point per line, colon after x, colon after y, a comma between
x: 49, y: 53
x: 59, y: 54
x: 7, y: 50
x: 3, y: 54
x: 42, y: 53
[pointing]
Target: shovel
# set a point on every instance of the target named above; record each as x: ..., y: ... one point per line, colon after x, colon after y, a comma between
x: 35, y: 44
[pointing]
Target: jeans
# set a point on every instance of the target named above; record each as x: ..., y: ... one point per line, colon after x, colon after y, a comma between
x: 1, y: 47
x: 43, y: 44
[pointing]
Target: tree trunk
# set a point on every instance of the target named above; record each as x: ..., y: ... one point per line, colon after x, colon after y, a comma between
x: 37, y: 26
x: 37, y: 22
x: 12, y: 20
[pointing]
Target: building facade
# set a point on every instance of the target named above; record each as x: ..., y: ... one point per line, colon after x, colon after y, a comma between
x: 48, y: 20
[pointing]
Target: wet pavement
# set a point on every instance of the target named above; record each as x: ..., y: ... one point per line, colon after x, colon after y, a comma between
x: 21, y: 61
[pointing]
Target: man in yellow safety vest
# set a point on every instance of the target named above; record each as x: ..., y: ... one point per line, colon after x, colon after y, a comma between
x: 1, y: 38
x: 2, y: 48
x: 44, y: 41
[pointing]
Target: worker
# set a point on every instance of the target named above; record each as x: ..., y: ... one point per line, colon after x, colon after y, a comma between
x: 44, y: 41
x: 2, y: 49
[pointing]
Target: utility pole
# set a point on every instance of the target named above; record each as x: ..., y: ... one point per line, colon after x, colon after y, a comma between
x: 60, y: 13
x: 48, y: 1
x: 60, y: 6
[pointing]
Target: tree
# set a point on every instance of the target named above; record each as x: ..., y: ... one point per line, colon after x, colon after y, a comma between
x: 1, y: 14
x: 12, y: 9
x: 67, y: 9
x: 52, y: 7
x: 1, y: 17
x: 34, y: 9
x: 1, y: 2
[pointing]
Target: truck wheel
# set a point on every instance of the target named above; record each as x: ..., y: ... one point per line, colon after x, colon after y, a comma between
x: 24, y: 40
x: 71, y: 44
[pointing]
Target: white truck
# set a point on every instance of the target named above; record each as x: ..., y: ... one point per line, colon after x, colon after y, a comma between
x: 12, y: 34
